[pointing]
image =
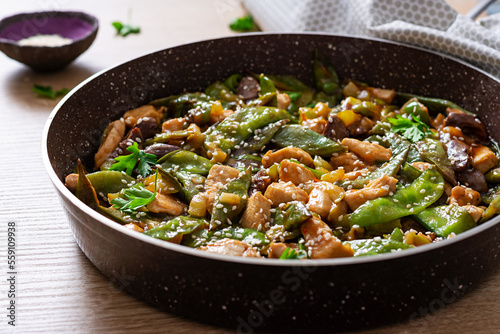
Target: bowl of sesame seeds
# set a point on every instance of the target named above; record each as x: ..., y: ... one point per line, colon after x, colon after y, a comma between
x: 47, y: 41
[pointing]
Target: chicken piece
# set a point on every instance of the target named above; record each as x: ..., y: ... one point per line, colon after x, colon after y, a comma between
x: 463, y: 196
x: 219, y: 117
x: 476, y: 212
x: 323, y: 197
x: 281, y: 192
x: 355, y: 174
x: 276, y: 249
x: 283, y: 101
x: 174, y: 124
x: 257, y: 213
x: 483, y: 159
x: 218, y: 176
x: 231, y: 247
x: 318, y: 125
x: 133, y: 227
x: 348, y: 160
x: 386, y: 95
x: 320, y: 241
x: 132, y: 116
x: 369, y: 152
x: 114, y: 134
x: 380, y: 187
x: 421, y: 166
x: 293, y: 172
x: 164, y: 203
x: 270, y: 158
x: 71, y: 181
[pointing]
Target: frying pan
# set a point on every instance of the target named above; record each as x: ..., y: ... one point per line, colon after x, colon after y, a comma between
x: 264, y: 294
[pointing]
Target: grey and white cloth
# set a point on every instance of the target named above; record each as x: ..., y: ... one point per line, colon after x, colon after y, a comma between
x: 431, y: 24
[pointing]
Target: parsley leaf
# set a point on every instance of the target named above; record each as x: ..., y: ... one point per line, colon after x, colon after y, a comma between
x: 125, y: 29
x: 413, y: 130
x: 127, y: 163
x: 134, y: 197
x: 46, y: 91
x: 243, y: 24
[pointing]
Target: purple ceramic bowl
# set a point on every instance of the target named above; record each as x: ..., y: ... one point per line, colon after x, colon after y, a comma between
x: 246, y: 294
x: 81, y: 28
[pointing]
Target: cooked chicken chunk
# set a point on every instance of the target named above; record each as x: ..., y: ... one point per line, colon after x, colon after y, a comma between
x: 71, y: 181
x: 174, y: 124
x: 369, y: 152
x: 276, y: 249
x: 164, y: 203
x: 320, y: 241
x: 318, y: 125
x: 114, y: 135
x: 323, y: 197
x: 231, y: 247
x: 257, y: 213
x: 132, y: 116
x: 133, y: 227
x: 302, y: 156
x: 463, y: 196
x: 218, y: 176
x: 476, y: 212
x: 421, y: 166
x: 483, y: 159
x: 283, y: 101
x: 348, y: 160
x: 295, y: 173
x: 281, y: 192
x: 380, y: 187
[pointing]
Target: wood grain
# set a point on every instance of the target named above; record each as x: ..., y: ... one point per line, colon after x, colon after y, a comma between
x: 58, y: 289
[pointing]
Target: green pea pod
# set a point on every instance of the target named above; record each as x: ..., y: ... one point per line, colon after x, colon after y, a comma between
x: 413, y: 155
x: 432, y: 151
x: 411, y: 200
x: 382, y: 141
x: 233, y: 81
x: 167, y: 136
x: 223, y: 211
x: 219, y: 91
x: 397, y: 235
x: 325, y: 75
x: 290, y: 84
x: 306, y: 139
x: 179, y: 105
x: 105, y: 182
x: 266, y: 85
x: 186, y: 161
x: 331, y: 100
x: 236, y: 128
x: 278, y: 230
x: 364, y: 247
x: 295, y: 214
x: 490, y: 195
x: 250, y: 236
x: 492, y: 209
x: 410, y: 173
x: 434, y: 105
x: 263, y: 100
x: 261, y: 139
x: 383, y: 228
x: 178, y: 226
x: 446, y: 219
x: 493, y: 176
x: 192, y: 183
x: 414, y: 107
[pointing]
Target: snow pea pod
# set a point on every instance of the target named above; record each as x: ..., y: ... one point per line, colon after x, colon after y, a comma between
x: 178, y: 226
x: 230, y: 200
x: 364, y: 247
x: 325, y: 75
x: 493, y: 176
x: 266, y: 85
x: 294, y: 214
x: 446, y: 219
x: 414, y: 107
x: 186, y: 161
x: 421, y: 193
x: 235, y: 129
x: 261, y: 139
x: 167, y: 136
x: 108, y: 181
x: 432, y: 150
x: 219, y: 91
x: 233, y: 81
x: 433, y: 104
x: 313, y: 143
x: 492, y: 209
x: 289, y: 84
x: 191, y: 183
x: 248, y: 235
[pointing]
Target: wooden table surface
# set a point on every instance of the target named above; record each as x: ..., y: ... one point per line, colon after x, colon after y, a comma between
x: 57, y: 288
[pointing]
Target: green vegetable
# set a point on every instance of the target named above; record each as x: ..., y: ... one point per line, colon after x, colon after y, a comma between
x: 125, y: 29
x: 397, y: 235
x: 220, y: 91
x: 446, y: 219
x: 243, y: 24
x: 433, y: 104
x: 223, y: 212
x: 415, y: 108
x: 493, y: 176
x: 261, y: 139
x: 233, y: 81
x: 133, y: 198
x: 432, y: 151
x: 143, y: 160
x: 186, y: 161
x: 178, y: 226
x: 364, y: 247
x: 413, y: 130
x: 292, y: 254
x: 105, y: 182
x: 405, y: 202
x: 325, y: 75
x: 190, y: 182
x: 294, y: 214
x: 248, y: 235
x: 46, y: 91
x: 306, y: 139
x: 492, y: 209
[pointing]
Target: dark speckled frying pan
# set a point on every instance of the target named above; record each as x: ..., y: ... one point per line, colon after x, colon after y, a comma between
x: 252, y: 294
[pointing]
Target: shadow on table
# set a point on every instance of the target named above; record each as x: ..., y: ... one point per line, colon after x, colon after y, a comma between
x: 20, y: 84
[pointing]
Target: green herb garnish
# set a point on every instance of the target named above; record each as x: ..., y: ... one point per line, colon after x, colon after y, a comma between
x: 46, y: 91
x: 243, y: 24
x: 292, y: 254
x: 413, y: 130
x: 143, y: 160
x: 125, y: 29
x: 134, y: 197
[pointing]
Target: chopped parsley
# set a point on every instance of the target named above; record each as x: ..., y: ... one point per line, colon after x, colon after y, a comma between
x: 46, y: 91
x: 243, y: 24
x: 134, y: 197
x: 127, y: 163
x: 414, y: 130
x: 125, y: 29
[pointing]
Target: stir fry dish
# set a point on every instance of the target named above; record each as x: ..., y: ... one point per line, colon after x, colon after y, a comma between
x: 263, y: 165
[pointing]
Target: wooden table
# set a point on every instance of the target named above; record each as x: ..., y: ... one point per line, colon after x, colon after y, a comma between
x: 58, y: 289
